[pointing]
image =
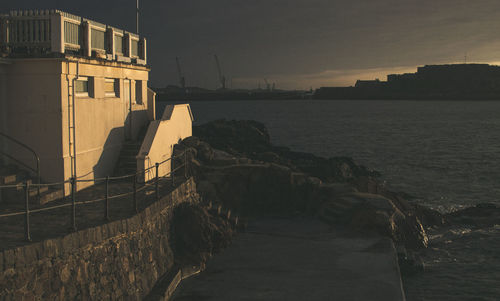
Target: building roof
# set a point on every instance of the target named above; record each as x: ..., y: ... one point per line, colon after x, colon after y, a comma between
x: 43, y: 32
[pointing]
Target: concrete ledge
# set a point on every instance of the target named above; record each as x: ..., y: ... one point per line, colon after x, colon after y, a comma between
x: 299, y: 259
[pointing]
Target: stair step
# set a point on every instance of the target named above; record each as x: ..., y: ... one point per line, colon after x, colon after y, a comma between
x: 50, y: 196
x: 33, y: 189
x: 131, y: 148
x: 128, y: 165
x: 8, y: 179
x: 132, y: 144
x: 13, y: 196
x: 128, y: 158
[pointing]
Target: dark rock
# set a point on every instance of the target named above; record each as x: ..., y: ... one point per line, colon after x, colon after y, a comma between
x: 196, y: 233
x: 251, y: 139
x: 245, y: 136
x: 481, y: 215
x: 410, y: 263
x: 282, y: 182
x: 379, y: 214
x: 429, y: 217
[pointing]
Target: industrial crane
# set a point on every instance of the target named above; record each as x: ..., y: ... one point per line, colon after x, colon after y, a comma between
x: 268, y: 86
x: 222, y: 78
x: 182, y: 80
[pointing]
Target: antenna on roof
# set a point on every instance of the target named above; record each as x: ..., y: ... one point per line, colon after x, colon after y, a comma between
x: 137, y: 19
x: 465, y: 58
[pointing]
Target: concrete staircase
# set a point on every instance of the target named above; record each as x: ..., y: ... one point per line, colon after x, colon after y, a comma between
x: 127, y: 162
x: 12, y: 175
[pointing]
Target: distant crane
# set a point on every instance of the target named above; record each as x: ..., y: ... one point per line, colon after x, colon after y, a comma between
x: 182, y: 79
x: 268, y: 86
x: 222, y: 78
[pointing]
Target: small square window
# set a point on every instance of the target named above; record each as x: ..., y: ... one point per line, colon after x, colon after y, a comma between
x: 83, y: 86
x: 138, y: 92
x: 112, y: 87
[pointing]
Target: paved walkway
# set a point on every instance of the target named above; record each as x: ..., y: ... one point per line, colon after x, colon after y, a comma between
x: 57, y: 222
x: 298, y: 260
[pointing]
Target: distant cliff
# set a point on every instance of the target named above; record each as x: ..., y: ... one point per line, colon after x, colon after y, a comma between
x: 431, y: 82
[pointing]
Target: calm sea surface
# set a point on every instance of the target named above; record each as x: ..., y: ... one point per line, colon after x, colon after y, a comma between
x: 444, y: 153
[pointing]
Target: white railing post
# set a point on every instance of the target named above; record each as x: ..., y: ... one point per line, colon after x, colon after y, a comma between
x: 87, y: 38
x: 111, y: 42
x: 143, y: 53
x: 127, y: 52
x: 57, y: 32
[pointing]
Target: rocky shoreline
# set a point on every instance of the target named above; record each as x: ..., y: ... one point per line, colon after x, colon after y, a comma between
x: 236, y: 166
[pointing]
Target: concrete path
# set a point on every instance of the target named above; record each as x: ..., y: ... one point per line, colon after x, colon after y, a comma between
x: 298, y: 259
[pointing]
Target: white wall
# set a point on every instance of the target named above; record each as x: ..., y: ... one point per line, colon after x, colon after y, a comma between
x: 162, y: 135
x: 102, y: 122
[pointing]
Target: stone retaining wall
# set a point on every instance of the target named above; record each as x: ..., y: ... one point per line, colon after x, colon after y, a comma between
x: 119, y: 260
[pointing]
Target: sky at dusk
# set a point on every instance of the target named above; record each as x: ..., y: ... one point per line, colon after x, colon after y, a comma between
x: 297, y: 43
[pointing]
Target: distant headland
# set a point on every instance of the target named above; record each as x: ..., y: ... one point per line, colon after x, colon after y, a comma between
x: 176, y: 93
x: 430, y: 82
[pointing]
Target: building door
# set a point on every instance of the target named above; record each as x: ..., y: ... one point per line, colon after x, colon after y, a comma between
x: 128, y: 109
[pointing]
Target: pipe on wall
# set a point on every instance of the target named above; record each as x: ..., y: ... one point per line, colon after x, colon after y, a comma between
x: 72, y: 115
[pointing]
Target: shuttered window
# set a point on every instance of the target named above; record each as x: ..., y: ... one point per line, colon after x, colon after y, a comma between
x: 98, y: 39
x: 118, y: 45
x: 134, y: 48
x: 72, y: 33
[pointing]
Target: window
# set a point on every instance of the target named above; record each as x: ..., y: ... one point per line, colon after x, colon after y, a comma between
x: 134, y: 48
x: 138, y: 92
x: 98, y: 39
x: 83, y: 86
x: 72, y: 33
x: 112, y: 87
x: 118, y: 44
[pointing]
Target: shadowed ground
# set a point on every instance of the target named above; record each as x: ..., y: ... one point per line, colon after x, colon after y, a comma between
x: 298, y: 259
x: 57, y: 222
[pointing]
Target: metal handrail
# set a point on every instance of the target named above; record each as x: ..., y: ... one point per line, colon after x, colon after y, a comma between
x: 37, y: 158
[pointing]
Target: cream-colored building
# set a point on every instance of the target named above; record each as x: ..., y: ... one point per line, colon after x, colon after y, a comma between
x: 75, y: 90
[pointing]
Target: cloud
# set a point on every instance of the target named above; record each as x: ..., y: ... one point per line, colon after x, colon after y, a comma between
x: 290, y: 39
x: 328, y: 78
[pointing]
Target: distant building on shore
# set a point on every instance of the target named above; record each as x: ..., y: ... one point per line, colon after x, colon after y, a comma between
x: 456, y: 81
x: 76, y: 91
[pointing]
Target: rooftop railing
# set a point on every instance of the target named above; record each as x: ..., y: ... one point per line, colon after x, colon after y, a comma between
x: 52, y: 31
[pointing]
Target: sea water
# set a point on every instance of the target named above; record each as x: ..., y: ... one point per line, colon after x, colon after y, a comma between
x: 445, y: 154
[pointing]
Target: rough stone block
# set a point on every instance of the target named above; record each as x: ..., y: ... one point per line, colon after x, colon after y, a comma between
x: 111, y: 230
x: 98, y: 234
x: 39, y: 251
x: 49, y: 249
x: 9, y: 259
x: 91, y: 235
x: 30, y: 254
x: 75, y: 241
x: 67, y: 244
x: 124, y: 226
x: 83, y: 237
x: 104, y: 232
x: 20, y: 260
